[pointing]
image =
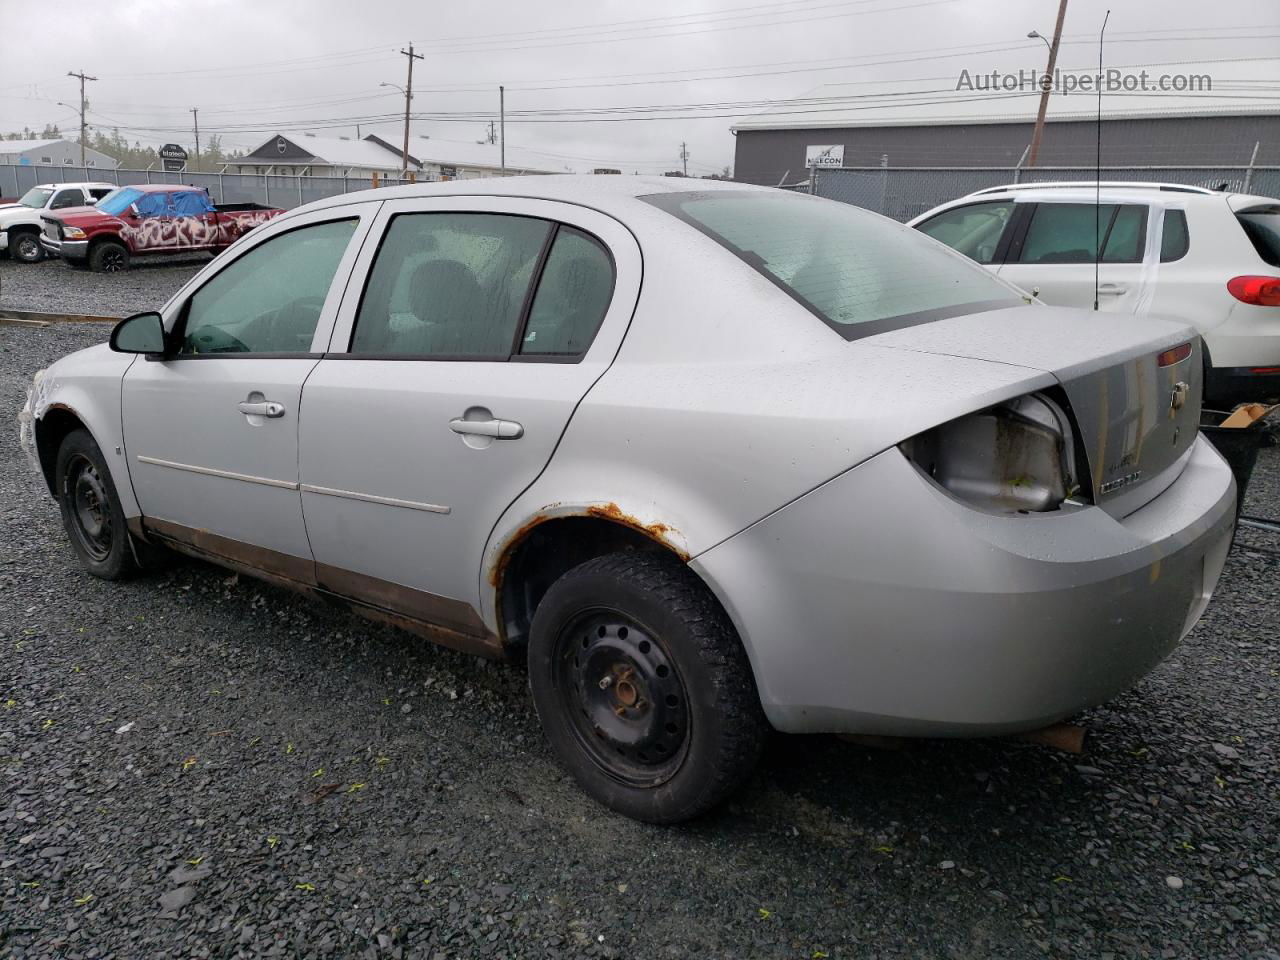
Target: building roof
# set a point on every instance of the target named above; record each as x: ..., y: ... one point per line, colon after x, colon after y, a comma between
x: 22, y: 146
x: 326, y: 151
x: 899, y: 103
x: 467, y: 153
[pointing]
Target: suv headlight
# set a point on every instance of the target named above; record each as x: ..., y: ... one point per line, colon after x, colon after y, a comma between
x: 1018, y: 457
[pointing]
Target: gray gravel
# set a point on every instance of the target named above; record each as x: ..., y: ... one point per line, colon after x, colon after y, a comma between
x: 194, y: 764
x: 53, y: 287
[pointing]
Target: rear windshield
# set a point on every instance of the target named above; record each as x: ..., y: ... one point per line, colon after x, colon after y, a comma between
x: 1262, y: 224
x: 858, y: 272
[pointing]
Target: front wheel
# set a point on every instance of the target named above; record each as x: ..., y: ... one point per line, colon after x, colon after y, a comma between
x: 109, y: 257
x: 91, y: 511
x: 643, y: 687
x: 25, y: 247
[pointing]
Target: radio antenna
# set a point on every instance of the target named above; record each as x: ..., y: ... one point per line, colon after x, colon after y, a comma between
x: 1097, y: 173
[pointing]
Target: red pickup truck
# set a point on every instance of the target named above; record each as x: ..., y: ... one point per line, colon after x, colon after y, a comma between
x: 147, y: 219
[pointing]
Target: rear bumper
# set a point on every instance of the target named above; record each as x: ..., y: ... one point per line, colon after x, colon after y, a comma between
x: 1227, y: 386
x: 879, y: 604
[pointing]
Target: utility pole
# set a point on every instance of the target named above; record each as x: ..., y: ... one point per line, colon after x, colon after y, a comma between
x: 195, y: 116
x: 502, y: 129
x: 684, y: 149
x: 83, y: 127
x: 1046, y: 85
x: 408, y: 97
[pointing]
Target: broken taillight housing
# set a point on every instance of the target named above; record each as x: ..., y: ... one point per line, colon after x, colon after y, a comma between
x: 1018, y: 457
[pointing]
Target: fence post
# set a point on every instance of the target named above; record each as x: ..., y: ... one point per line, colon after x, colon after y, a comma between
x: 884, y: 183
x: 1017, y: 167
x: 266, y: 189
x: 813, y: 179
x: 1248, y: 174
x: 222, y: 193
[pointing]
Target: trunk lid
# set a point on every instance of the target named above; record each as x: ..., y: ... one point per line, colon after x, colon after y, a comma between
x: 1137, y: 408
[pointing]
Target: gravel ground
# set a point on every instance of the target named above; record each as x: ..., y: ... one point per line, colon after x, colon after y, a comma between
x: 197, y: 765
x: 53, y: 287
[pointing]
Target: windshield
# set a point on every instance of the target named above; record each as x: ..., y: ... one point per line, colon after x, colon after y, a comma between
x: 858, y: 272
x: 36, y: 197
x: 1262, y: 224
x: 117, y: 201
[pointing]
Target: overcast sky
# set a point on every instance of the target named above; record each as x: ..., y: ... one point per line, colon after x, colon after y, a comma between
x: 255, y: 66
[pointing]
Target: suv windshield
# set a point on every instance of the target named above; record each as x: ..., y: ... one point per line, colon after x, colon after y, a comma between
x: 1262, y: 224
x: 117, y: 201
x: 36, y: 197
x: 858, y: 272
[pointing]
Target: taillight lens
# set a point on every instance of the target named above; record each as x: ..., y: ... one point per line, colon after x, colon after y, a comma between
x: 1259, y: 291
x: 1017, y: 457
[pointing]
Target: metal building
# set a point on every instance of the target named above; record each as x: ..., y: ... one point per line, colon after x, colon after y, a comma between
x: 52, y: 153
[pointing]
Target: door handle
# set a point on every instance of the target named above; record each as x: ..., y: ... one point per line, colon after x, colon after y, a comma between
x: 1113, y: 288
x: 495, y: 429
x: 266, y: 408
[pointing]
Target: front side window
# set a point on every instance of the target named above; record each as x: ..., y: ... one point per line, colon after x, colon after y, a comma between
x: 117, y: 201
x: 449, y: 285
x: 857, y: 271
x: 67, y: 198
x: 572, y: 297
x: 973, y: 229
x: 153, y: 205
x: 1069, y: 232
x: 268, y: 300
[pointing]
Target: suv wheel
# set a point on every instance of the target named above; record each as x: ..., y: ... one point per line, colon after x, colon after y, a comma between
x: 643, y: 688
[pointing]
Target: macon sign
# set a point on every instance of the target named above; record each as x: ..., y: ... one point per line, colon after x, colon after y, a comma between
x: 831, y: 155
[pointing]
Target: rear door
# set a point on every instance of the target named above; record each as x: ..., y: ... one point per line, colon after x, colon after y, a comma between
x: 471, y: 331
x: 211, y: 432
x: 1053, y: 254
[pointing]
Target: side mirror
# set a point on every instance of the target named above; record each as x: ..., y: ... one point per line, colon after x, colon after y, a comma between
x: 133, y: 210
x: 141, y: 333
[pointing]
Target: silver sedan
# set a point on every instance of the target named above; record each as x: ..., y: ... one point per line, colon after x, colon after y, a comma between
x: 714, y: 459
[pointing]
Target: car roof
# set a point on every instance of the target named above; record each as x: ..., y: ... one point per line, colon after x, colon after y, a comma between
x: 159, y: 187
x: 600, y: 191
x: 73, y: 183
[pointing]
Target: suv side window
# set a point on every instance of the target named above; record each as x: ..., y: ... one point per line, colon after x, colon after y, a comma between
x: 572, y: 297
x: 449, y: 286
x: 973, y: 229
x: 67, y: 198
x: 1066, y: 233
x: 1175, y: 240
x: 268, y: 300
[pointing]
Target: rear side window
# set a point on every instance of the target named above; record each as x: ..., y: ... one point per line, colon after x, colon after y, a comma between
x: 191, y: 203
x: 97, y: 193
x: 1069, y: 232
x: 858, y: 272
x: 973, y: 229
x: 573, y: 295
x: 1175, y: 240
x: 449, y: 285
x: 1262, y: 225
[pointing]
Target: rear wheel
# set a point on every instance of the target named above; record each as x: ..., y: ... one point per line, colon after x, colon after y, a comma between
x: 643, y: 688
x: 109, y: 257
x: 91, y: 511
x: 25, y: 246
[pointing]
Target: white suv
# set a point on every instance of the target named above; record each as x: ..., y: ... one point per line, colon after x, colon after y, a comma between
x: 20, y: 222
x: 1210, y: 259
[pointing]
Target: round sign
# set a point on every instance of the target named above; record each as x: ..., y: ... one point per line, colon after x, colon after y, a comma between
x: 281, y: 145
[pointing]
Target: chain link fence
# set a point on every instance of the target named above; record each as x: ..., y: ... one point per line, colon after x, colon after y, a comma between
x: 270, y: 190
x: 906, y: 192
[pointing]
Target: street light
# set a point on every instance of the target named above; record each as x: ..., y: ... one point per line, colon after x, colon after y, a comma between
x: 1037, y: 35
x: 395, y: 86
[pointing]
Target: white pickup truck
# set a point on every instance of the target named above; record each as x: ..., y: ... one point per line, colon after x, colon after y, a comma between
x: 20, y: 222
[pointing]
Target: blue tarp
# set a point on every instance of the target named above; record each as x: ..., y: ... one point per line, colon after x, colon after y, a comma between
x: 117, y: 202
x: 191, y: 203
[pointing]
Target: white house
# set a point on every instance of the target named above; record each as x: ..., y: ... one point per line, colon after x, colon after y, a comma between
x: 52, y: 153
x: 305, y: 155
x: 467, y: 160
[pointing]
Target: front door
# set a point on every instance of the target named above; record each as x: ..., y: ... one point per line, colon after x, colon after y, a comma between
x: 453, y: 372
x: 212, y: 431
x: 1054, y: 256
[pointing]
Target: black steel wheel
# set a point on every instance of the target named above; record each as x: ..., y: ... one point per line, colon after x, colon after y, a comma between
x: 643, y: 687
x: 25, y: 247
x: 90, y: 507
x: 629, y: 708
